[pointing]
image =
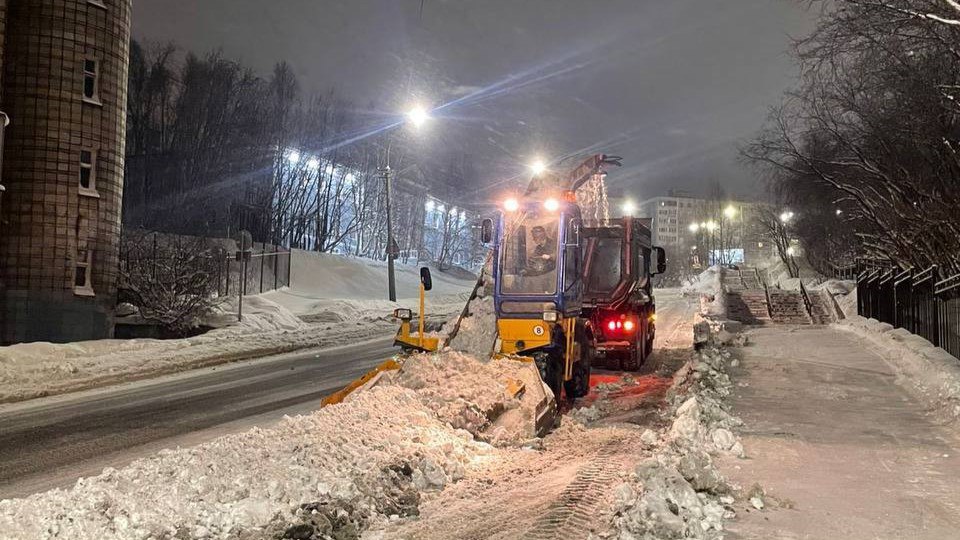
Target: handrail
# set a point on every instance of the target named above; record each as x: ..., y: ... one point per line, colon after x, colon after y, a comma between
x: 806, y: 299
x: 946, y: 285
x: 926, y: 275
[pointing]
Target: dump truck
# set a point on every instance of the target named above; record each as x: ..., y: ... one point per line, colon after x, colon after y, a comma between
x: 619, y: 262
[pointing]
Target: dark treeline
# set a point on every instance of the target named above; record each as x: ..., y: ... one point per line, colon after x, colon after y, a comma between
x: 865, y: 149
x: 213, y: 148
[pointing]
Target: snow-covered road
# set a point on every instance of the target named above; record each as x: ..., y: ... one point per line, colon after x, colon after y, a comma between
x: 51, y: 442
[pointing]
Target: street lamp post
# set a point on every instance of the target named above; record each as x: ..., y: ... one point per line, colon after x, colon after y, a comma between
x: 417, y: 116
x: 391, y: 251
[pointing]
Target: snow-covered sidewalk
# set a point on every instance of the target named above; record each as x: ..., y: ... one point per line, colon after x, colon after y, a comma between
x: 836, y: 447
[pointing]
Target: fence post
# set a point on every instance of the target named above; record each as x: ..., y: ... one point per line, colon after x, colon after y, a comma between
x: 263, y: 257
x: 276, y: 265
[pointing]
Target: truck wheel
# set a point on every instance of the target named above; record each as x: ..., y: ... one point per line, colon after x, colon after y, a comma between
x: 633, y: 359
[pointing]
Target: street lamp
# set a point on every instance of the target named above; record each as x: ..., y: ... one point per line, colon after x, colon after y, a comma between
x: 629, y: 208
x: 730, y: 212
x: 416, y: 116
x: 786, y: 216
x: 538, y: 167
x: 694, y: 227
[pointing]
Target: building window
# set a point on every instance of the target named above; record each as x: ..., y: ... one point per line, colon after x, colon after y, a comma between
x: 91, y: 86
x: 88, y: 173
x: 82, y: 284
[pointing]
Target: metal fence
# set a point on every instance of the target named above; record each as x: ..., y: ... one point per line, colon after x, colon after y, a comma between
x: 920, y: 301
x: 265, y: 267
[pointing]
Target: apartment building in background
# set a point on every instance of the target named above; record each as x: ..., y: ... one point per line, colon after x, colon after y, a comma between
x: 63, y: 85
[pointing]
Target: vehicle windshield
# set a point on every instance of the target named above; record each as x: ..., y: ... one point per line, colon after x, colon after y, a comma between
x: 529, y: 251
x: 605, y: 271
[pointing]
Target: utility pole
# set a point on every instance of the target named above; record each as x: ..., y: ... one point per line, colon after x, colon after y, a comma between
x: 391, y: 245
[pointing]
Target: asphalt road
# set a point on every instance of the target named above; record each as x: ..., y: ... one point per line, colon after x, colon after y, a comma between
x: 51, y: 442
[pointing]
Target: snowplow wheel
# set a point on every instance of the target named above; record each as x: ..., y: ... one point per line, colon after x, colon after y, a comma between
x: 579, y: 385
x: 554, y: 376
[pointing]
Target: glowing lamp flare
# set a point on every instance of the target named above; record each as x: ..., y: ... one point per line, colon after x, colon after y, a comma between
x: 418, y: 116
x: 511, y: 205
x: 538, y: 167
x: 628, y: 326
x: 551, y: 205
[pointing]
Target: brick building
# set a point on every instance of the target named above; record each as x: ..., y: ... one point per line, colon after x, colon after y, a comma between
x: 64, y: 88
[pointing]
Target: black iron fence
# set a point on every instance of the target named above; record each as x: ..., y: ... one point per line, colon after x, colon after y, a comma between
x: 264, y: 267
x: 920, y: 301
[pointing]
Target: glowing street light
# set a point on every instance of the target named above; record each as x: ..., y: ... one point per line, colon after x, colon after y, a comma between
x: 730, y: 212
x: 511, y: 205
x: 628, y: 208
x: 694, y: 227
x: 551, y: 205
x: 418, y: 116
x: 538, y: 166
x: 293, y: 157
x: 785, y: 217
x: 711, y: 225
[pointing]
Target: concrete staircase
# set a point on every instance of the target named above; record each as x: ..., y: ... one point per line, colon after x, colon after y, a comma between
x: 787, y: 307
x: 750, y: 302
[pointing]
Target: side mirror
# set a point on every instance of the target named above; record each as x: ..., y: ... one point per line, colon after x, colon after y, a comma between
x: 425, y: 278
x: 661, y: 260
x: 486, y: 231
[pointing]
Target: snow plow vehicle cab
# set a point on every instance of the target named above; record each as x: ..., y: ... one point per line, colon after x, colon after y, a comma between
x: 619, y: 261
x: 538, y: 288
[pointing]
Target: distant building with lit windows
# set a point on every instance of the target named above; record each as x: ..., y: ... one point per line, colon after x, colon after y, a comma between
x: 689, y: 229
x: 63, y: 84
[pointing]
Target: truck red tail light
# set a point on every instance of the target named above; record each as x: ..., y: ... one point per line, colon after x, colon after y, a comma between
x: 620, y: 325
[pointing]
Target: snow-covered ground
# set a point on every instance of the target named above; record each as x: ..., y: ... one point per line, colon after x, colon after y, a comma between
x: 333, y: 300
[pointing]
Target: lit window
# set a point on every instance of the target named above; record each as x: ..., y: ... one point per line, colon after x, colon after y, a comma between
x: 88, y: 171
x: 90, y: 82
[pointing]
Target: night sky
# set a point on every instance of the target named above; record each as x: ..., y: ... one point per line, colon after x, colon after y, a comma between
x: 672, y: 86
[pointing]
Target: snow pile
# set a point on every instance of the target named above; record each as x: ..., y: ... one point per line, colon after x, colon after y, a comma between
x: 478, y: 331
x: 931, y: 371
x: 259, y: 314
x: 708, y: 282
x: 709, y: 286
x: 679, y: 493
x: 330, y: 472
x: 473, y: 395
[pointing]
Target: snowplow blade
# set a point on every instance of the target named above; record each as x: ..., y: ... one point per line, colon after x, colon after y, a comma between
x: 367, y: 378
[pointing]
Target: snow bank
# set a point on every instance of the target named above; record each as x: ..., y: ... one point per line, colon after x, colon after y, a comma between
x: 679, y: 493
x: 929, y: 370
x: 372, y: 455
x: 339, y: 469
x: 259, y: 314
x: 318, y: 278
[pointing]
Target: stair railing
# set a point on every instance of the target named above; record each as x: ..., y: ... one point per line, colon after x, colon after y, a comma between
x: 806, y: 299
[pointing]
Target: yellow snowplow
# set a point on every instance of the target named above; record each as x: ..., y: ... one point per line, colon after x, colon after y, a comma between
x: 537, y: 278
